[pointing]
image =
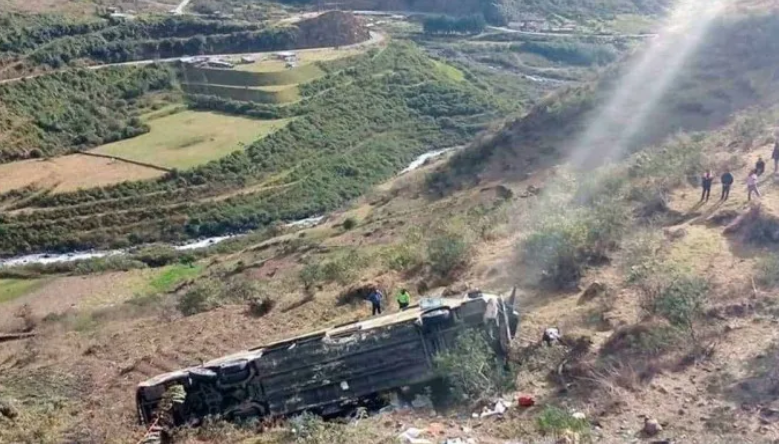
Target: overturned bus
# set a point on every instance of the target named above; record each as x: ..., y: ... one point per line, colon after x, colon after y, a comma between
x: 327, y: 370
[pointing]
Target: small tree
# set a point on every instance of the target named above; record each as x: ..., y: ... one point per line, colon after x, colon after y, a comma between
x: 471, y: 368
x: 310, y: 275
x: 682, y: 303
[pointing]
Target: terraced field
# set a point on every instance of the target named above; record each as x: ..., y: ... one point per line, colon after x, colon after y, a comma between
x: 268, y: 80
x: 189, y: 138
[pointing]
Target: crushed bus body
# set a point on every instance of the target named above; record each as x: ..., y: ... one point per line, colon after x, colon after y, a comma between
x: 325, y: 370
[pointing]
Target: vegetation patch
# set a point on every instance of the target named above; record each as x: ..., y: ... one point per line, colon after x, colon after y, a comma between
x: 471, y: 369
x: 74, y: 110
x: 170, y: 276
x: 11, y: 289
x: 190, y: 138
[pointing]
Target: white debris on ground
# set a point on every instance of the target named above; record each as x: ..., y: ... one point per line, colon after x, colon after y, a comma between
x: 307, y: 222
x: 419, y: 161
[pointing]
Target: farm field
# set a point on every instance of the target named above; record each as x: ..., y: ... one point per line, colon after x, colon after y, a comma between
x: 189, y: 138
x: 70, y: 173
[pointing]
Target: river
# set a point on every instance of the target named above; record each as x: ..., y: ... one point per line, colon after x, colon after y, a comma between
x: 51, y: 258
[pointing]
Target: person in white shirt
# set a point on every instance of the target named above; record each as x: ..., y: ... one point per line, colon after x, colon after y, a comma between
x: 752, y: 185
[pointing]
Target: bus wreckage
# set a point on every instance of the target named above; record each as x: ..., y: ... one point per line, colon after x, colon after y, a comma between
x: 329, y: 370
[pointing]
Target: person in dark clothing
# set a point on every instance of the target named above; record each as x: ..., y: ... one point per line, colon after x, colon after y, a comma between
x: 775, y: 155
x: 760, y: 166
x: 727, y: 181
x: 706, y: 181
x: 375, y: 299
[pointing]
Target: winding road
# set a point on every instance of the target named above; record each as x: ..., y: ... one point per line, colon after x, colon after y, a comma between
x: 375, y: 39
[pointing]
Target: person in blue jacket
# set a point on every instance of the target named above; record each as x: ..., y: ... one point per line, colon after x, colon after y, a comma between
x: 375, y: 299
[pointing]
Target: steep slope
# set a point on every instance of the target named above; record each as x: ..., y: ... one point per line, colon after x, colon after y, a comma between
x: 727, y: 73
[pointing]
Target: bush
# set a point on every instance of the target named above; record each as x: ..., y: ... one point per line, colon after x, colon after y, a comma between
x: 471, y: 369
x: 310, y: 275
x: 448, y: 253
x: 682, y: 303
x: 349, y: 223
x: 259, y: 306
x: 556, y: 421
x: 403, y: 257
x: 202, y: 297
x: 768, y: 271
x: 157, y: 255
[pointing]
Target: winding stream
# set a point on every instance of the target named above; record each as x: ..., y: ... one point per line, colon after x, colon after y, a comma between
x: 52, y: 258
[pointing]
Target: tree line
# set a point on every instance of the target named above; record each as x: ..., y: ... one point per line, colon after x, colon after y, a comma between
x: 473, y: 24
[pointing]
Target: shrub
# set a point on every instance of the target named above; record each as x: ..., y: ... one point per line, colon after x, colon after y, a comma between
x: 261, y: 305
x: 349, y: 223
x: 403, y: 257
x: 343, y: 269
x: 448, y: 253
x: 202, y: 297
x: 556, y: 421
x: 682, y: 303
x: 157, y: 255
x: 768, y: 271
x: 310, y: 275
x: 471, y: 369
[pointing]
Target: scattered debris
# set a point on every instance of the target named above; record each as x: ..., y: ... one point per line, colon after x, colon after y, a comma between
x: 551, y: 335
x: 525, y: 401
x: 578, y: 415
x: 500, y: 408
x: 412, y: 436
x: 652, y: 427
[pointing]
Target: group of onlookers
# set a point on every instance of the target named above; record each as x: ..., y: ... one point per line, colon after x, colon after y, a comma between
x: 727, y: 178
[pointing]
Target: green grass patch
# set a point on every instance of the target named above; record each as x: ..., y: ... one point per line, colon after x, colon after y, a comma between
x: 450, y: 71
x: 11, y: 289
x: 173, y: 275
x: 272, y: 94
x: 190, y: 138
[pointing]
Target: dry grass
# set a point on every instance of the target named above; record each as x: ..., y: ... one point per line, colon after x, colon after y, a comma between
x: 70, y: 173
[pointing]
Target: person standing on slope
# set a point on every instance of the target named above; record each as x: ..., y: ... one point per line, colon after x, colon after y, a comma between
x: 375, y: 299
x: 706, y: 181
x: 760, y: 166
x: 404, y: 299
x: 727, y: 181
x: 752, y: 185
x: 775, y: 155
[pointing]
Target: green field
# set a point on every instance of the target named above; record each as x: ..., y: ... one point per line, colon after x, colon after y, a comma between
x: 190, y: 138
x: 11, y: 289
x: 172, y: 275
x: 262, y: 94
x: 292, y: 76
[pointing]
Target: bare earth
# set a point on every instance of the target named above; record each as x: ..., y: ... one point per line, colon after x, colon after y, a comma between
x: 70, y: 173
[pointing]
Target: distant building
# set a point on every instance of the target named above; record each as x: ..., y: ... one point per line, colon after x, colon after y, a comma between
x: 287, y: 56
